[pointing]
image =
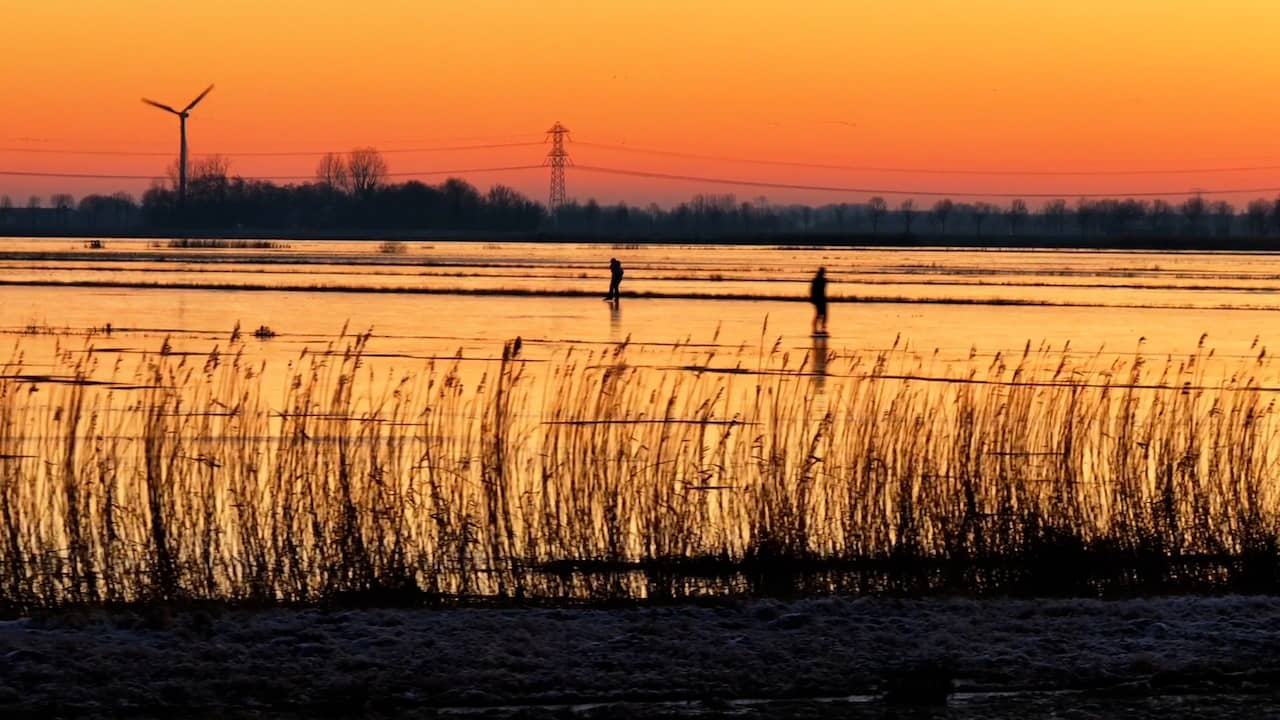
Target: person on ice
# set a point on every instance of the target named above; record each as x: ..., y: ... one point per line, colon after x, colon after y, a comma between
x: 818, y: 296
x: 615, y: 279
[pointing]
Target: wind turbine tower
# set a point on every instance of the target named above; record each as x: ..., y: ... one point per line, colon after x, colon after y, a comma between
x: 182, y: 153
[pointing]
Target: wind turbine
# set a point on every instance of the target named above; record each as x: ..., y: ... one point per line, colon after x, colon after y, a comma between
x: 182, y: 124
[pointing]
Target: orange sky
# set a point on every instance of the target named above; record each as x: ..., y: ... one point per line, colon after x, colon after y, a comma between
x: 983, y: 84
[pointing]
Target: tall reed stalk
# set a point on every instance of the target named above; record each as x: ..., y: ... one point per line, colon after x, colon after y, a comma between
x: 615, y: 474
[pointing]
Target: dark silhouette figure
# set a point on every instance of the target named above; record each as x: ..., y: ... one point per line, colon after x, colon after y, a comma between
x: 818, y: 296
x: 615, y: 279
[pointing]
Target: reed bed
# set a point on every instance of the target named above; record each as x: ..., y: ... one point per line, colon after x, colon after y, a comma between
x: 592, y: 477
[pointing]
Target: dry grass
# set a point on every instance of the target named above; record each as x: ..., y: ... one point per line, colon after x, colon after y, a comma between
x: 1051, y: 472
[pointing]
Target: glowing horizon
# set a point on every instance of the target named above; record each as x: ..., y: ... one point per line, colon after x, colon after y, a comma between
x: 995, y: 85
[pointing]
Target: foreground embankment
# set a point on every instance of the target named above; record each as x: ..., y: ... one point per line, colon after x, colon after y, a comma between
x: 1192, y: 656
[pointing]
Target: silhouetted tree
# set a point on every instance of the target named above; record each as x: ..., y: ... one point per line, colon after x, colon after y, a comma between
x: 1086, y: 215
x: 1161, y: 217
x: 840, y: 210
x: 745, y: 212
x: 366, y: 169
x: 1055, y: 212
x: 979, y: 213
x: 876, y: 208
x: 208, y: 193
x: 33, y: 202
x: 331, y: 172
x: 206, y: 167
x: 618, y: 218
x: 62, y: 203
x: 463, y: 202
x: 1015, y: 214
x: 1256, y: 212
x: 1223, y: 214
x: 6, y: 209
x: 107, y: 212
x: 506, y: 209
x: 908, y: 210
x: 1118, y: 217
x: 941, y: 211
x: 1193, y: 209
x: 211, y: 167
x: 591, y: 213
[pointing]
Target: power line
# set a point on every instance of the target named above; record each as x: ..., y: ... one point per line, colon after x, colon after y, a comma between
x: 927, y: 171
x: 705, y: 179
x: 266, y: 153
x: 901, y: 191
x: 415, y: 173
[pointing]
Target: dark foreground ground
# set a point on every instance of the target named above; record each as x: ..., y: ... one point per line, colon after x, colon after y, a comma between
x: 831, y: 657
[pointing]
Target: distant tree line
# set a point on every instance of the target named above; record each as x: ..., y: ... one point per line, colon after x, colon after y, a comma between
x: 349, y: 192
x: 352, y: 192
x: 709, y: 216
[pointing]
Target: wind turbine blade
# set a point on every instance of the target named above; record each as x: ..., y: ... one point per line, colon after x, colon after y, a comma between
x: 198, y: 99
x: 162, y: 106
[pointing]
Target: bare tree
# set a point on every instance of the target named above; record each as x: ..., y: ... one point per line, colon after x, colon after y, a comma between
x: 1256, y: 212
x: 366, y: 170
x: 940, y: 212
x: 876, y: 207
x: 62, y: 203
x: 172, y: 173
x: 840, y: 210
x: 210, y: 167
x: 1117, y: 217
x: 979, y: 214
x: 6, y: 207
x: 332, y: 172
x: 1161, y: 215
x: 908, y: 210
x: 1193, y: 210
x: 1223, y: 215
x: 207, y: 169
x: 1086, y: 215
x: 504, y: 197
x: 1015, y: 214
x: 1055, y: 213
x: 33, y: 202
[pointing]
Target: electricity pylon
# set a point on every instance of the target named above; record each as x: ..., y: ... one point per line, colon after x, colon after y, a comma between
x: 557, y: 159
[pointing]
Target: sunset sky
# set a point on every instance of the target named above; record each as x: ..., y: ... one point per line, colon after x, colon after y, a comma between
x: 985, y: 85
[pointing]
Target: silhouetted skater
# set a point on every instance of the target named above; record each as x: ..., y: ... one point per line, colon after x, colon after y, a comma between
x: 818, y: 296
x: 615, y: 279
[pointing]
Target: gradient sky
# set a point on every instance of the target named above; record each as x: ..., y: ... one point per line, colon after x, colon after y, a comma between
x: 1009, y: 85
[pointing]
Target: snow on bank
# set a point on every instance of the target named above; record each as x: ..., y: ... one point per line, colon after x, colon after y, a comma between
x: 396, y: 661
